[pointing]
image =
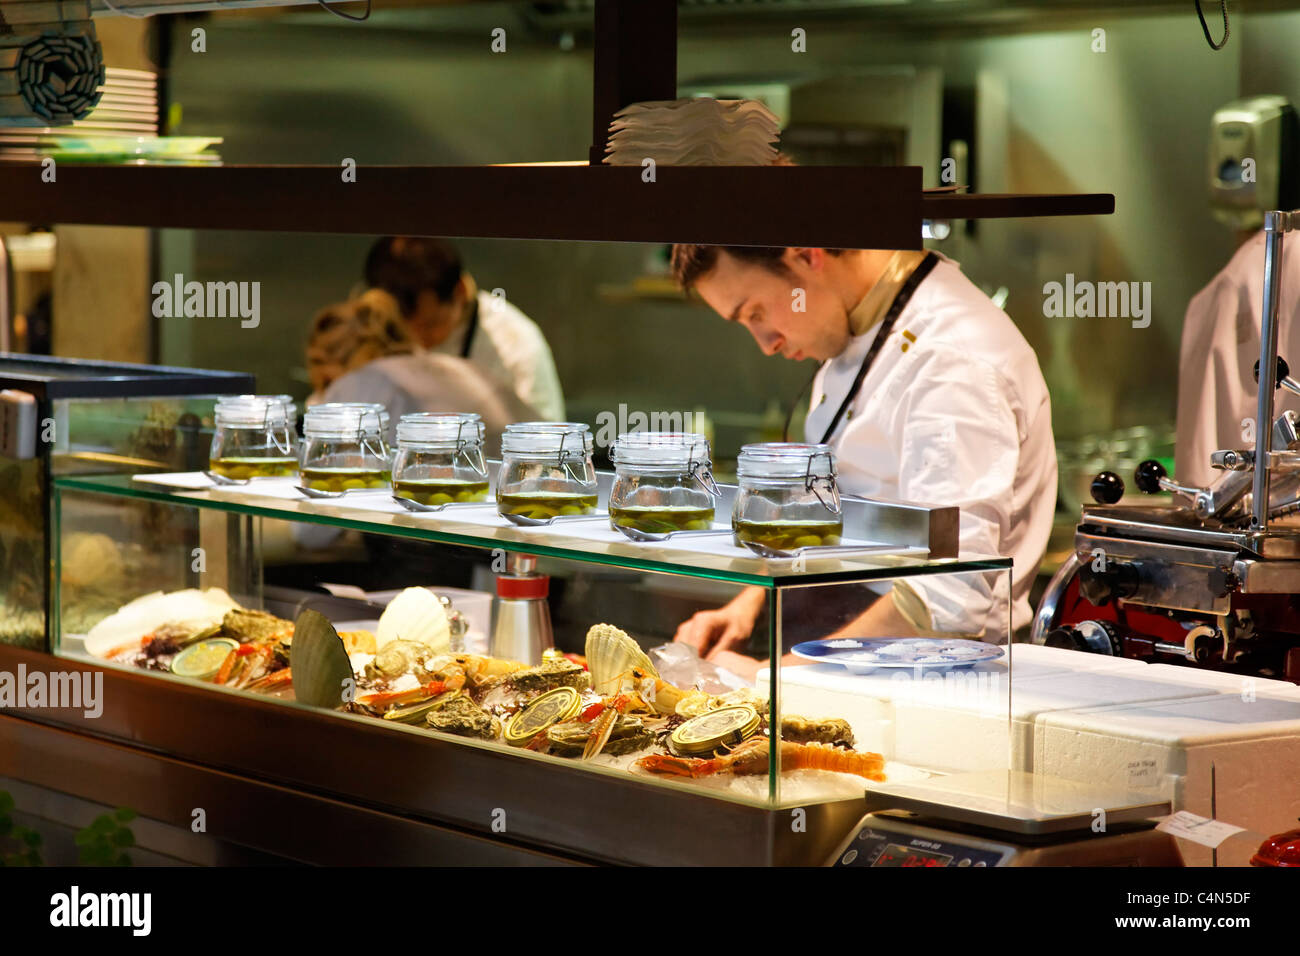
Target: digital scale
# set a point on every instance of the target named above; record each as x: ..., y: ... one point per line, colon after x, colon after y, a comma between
x: 1007, y: 818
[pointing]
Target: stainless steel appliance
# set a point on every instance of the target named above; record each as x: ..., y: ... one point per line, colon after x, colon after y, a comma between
x: 1212, y: 580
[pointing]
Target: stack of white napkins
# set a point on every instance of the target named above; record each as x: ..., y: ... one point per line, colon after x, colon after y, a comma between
x: 694, y: 132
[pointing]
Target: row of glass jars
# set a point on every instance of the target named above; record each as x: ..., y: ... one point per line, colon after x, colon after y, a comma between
x: 787, y: 495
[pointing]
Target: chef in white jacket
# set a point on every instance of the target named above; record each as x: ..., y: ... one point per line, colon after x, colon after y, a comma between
x: 1220, y: 346
x: 927, y: 392
x: 446, y: 313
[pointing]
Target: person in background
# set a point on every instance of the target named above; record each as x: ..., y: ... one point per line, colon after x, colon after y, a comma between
x: 926, y: 392
x: 446, y: 314
x: 362, y: 351
x: 1216, y: 363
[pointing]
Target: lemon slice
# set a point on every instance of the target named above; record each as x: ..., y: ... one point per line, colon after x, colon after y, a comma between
x: 203, y: 659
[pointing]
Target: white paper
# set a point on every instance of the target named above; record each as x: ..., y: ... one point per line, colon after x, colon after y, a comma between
x: 1202, y: 830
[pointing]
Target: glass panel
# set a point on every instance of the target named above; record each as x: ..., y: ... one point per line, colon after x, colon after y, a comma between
x: 22, y: 552
x: 122, y: 546
x: 891, y: 683
x: 580, y: 540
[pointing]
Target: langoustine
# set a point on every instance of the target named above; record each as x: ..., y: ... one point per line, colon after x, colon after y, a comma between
x: 751, y: 757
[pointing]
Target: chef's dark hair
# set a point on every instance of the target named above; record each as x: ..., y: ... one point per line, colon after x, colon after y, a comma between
x: 690, y: 262
x: 404, y: 266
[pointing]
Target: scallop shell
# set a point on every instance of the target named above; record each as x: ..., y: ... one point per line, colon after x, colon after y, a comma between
x: 415, y: 615
x: 610, y: 654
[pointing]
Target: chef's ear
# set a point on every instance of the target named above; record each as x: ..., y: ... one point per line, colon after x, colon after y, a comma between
x: 810, y: 258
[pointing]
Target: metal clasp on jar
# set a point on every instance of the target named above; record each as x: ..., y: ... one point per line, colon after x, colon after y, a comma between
x: 364, y: 440
x: 470, y: 449
x: 823, y: 485
x: 287, y: 446
x: 702, y: 471
x: 566, y: 458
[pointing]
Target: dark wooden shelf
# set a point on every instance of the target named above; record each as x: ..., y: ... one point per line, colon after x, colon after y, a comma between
x: 830, y: 206
x: 1012, y: 206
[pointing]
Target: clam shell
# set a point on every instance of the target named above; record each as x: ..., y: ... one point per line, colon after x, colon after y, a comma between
x: 610, y: 654
x: 415, y: 615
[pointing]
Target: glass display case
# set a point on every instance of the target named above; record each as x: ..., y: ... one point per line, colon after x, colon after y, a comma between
x: 72, y: 417
x: 627, y: 713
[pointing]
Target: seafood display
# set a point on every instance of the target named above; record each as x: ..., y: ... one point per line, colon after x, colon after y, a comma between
x: 609, y: 705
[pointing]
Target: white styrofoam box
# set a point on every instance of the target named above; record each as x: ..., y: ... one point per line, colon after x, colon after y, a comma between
x: 973, y: 718
x: 976, y: 734
x: 1224, y: 683
x: 1168, y: 747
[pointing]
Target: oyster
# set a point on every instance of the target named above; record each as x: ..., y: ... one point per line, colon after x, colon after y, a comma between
x: 547, y: 676
x: 253, y: 626
x: 463, y: 717
x: 611, y: 654
x: 801, y: 730
x: 570, y: 738
x: 397, y: 658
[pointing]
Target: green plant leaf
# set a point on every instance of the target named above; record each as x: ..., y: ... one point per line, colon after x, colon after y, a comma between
x: 6, y: 826
x: 123, y: 837
x: 6, y: 801
x: 83, y: 837
x: 32, y: 838
x: 124, y: 814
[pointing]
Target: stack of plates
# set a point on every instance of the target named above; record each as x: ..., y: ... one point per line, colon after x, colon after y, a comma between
x: 694, y: 132
x: 123, y: 128
x: 51, y: 64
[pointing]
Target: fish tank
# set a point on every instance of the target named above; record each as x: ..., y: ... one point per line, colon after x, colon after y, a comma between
x: 84, y: 417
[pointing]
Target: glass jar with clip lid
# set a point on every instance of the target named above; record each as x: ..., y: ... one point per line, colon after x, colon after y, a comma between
x: 546, y: 471
x: 663, y: 483
x: 254, y: 437
x: 787, y: 496
x: 344, y: 447
x: 439, y: 459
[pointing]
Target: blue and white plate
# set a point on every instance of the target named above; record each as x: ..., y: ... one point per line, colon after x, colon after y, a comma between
x: 862, y: 655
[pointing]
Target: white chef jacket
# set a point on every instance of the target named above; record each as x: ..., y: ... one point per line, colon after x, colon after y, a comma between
x: 510, y: 348
x: 953, y: 412
x: 1216, y: 365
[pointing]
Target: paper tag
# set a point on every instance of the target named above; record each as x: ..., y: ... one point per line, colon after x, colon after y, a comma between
x: 1142, y: 774
x: 1202, y: 830
x: 346, y: 591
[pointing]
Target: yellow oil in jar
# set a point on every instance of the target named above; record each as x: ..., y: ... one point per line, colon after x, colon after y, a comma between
x: 344, y: 479
x: 788, y: 535
x: 662, y: 520
x: 545, y: 504
x: 241, y: 469
x: 439, y: 491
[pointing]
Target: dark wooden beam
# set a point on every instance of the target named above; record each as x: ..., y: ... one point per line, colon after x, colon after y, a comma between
x: 635, y: 59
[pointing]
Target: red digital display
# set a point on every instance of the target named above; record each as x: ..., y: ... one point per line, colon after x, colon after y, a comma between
x: 895, y: 855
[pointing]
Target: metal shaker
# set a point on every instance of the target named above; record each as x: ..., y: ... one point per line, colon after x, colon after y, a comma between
x: 521, y: 622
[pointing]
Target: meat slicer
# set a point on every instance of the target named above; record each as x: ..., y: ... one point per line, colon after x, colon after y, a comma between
x: 1212, y: 580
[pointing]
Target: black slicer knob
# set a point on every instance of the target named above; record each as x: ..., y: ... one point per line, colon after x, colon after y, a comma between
x: 1283, y: 370
x: 1147, y: 476
x: 1107, y: 488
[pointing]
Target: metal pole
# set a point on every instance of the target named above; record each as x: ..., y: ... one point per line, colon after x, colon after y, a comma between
x: 1276, y: 224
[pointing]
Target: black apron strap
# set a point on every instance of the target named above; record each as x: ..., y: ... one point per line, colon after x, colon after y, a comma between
x: 470, y: 330
x: 923, y: 269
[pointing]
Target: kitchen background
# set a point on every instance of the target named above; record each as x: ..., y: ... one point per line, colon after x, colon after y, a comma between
x: 1038, y: 110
